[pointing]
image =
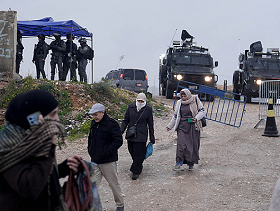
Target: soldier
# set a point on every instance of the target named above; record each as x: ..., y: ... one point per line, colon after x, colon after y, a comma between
x: 19, y: 50
x: 40, y: 53
x: 82, y: 59
x: 58, y: 47
x: 70, y: 60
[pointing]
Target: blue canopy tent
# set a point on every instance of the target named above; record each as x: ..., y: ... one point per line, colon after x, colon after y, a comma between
x: 48, y: 26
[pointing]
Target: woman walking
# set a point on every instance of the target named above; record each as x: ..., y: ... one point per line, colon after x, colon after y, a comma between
x: 186, y: 120
x: 140, y: 115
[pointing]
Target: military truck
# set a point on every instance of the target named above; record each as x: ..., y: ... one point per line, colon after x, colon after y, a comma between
x: 184, y: 61
x: 255, y: 66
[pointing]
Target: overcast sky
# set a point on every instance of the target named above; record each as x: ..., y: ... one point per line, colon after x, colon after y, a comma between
x: 142, y: 30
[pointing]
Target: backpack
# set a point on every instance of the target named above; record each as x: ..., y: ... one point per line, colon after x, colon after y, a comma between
x: 90, y: 53
x: 80, y: 193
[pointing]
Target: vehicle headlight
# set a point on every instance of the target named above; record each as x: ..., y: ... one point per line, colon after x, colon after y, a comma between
x: 207, y: 78
x: 259, y: 82
x: 179, y: 77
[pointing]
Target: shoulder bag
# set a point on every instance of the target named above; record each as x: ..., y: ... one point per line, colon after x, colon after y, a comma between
x: 131, y: 131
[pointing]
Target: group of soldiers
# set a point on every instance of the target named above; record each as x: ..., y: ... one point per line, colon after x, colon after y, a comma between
x: 65, y: 55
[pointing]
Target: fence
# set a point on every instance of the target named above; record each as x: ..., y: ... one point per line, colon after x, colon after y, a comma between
x: 220, y: 105
x: 268, y: 89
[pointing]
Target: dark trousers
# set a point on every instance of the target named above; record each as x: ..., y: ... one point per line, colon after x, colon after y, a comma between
x: 56, y: 60
x: 40, y: 67
x: 66, y: 67
x: 137, y: 151
x: 82, y: 70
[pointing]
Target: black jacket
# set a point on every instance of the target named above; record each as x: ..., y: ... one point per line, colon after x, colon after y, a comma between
x: 30, y: 185
x: 104, y: 140
x: 146, y: 121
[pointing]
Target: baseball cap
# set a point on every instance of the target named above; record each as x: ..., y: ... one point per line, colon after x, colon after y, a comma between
x: 97, y: 107
x: 141, y: 96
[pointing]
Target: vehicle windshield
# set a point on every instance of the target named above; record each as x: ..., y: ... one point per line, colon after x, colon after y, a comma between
x: 200, y: 59
x: 265, y: 65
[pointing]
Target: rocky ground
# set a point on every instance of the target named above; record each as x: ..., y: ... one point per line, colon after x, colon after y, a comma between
x: 238, y: 169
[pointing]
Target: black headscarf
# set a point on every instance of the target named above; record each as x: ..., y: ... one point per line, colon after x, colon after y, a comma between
x: 27, y: 103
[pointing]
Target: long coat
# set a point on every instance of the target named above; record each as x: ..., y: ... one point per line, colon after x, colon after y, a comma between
x: 104, y: 140
x: 144, y: 123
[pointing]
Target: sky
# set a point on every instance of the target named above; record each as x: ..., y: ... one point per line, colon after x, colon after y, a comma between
x: 143, y: 30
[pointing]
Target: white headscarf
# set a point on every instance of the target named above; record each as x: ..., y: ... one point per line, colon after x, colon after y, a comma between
x: 141, y: 96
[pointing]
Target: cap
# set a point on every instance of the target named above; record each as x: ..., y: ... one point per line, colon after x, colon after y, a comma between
x: 27, y: 103
x: 96, y: 108
x: 141, y: 96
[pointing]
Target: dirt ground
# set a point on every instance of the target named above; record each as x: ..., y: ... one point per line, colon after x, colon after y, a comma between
x: 238, y: 169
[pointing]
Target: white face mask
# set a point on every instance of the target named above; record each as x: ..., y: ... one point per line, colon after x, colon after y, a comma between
x: 140, y: 105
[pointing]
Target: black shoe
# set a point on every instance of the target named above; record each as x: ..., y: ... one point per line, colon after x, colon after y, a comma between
x: 120, y: 209
x: 191, y: 168
x: 135, y: 176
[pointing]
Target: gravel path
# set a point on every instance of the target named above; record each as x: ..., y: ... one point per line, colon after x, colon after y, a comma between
x: 238, y: 169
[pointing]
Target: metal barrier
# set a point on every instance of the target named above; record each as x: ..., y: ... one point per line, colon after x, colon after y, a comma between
x: 220, y: 105
x: 268, y: 89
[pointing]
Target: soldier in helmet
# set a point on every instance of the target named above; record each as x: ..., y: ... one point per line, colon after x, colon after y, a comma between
x: 82, y: 59
x: 70, y: 60
x: 58, y: 48
x: 40, y: 53
x: 19, y: 51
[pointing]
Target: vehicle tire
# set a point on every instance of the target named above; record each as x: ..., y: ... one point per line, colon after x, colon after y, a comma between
x: 236, y: 97
x: 249, y: 98
x: 169, y: 93
x: 210, y: 98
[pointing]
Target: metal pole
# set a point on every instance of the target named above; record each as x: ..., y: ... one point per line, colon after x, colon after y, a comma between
x: 225, y: 85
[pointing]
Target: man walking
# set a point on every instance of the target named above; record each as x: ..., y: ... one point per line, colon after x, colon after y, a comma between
x: 104, y: 140
x: 70, y: 61
x: 58, y: 47
x: 40, y: 53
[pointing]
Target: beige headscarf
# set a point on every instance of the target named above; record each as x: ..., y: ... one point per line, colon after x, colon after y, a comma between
x: 193, y: 101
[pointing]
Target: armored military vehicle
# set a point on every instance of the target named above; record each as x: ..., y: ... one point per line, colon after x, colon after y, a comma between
x: 255, y: 66
x: 184, y: 61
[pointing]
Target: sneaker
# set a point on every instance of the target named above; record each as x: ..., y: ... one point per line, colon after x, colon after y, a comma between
x: 135, y: 176
x: 191, y: 168
x: 177, y: 167
x: 120, y: 208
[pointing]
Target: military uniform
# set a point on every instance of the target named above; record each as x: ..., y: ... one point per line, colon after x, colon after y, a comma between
x: 82, y: 60
x: 58, y: 47
x: 19, y: 51
x: 70, y: 60
x: 40, y: 53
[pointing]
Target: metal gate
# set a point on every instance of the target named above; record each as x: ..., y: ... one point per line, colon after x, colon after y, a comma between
x: 268, y: 89
x: 220, y: 105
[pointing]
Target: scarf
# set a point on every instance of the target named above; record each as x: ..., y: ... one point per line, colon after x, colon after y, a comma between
x: 140, y: 105
x: 193, y: 101
x: 17, y: 144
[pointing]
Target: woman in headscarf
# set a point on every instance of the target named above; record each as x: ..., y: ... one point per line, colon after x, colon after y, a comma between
x: 141, y: 114
x: 186, y: 121
x: 29, y: 176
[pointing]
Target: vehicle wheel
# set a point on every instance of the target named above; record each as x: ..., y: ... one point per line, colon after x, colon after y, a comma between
x: 210, y: 97
x: 169, y: 93
x: 236, y: 97
x: 249, y: 98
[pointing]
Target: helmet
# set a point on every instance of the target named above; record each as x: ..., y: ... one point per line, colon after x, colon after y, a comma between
x: 56, y: 34
x: 41, y: 36
x: 69, y: 36
x: 82, y: 40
